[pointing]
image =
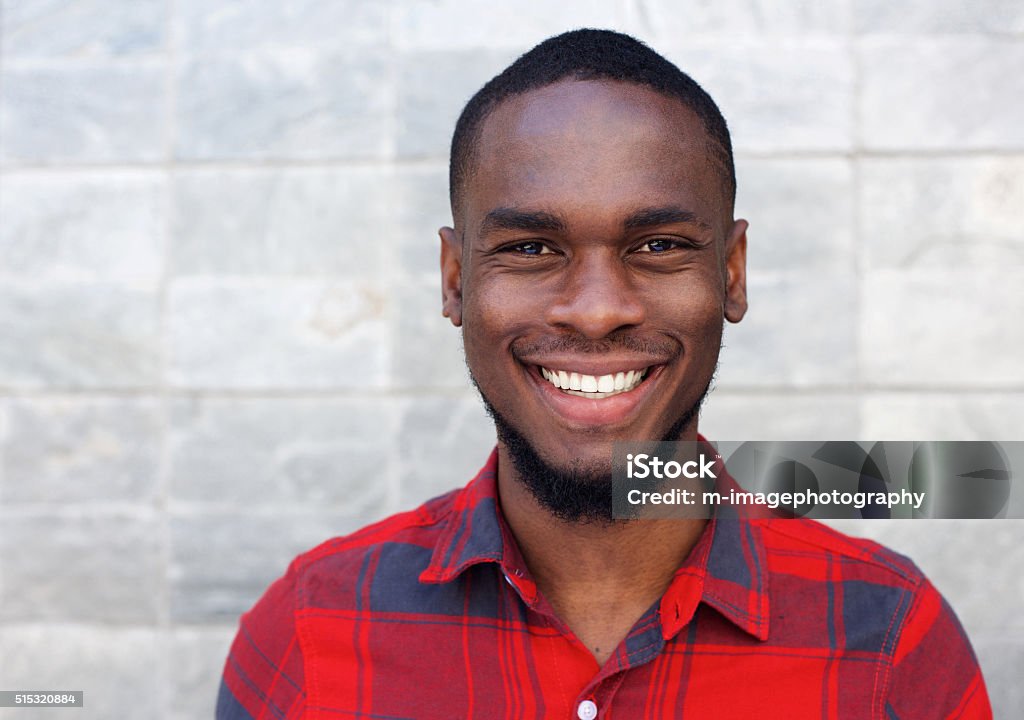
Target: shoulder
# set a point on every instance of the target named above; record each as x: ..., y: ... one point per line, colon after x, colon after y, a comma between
x: 812, y: 542
x: 857, y: 590
x: 329, y: 573
x: 874, y: 603
x: 265, y: 669
x: 807, y: 545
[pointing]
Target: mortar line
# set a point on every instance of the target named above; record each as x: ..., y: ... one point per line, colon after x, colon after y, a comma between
x: 164, y: 629
x: 467, y: 393
x: 439, y: 162
x: 856, y: 228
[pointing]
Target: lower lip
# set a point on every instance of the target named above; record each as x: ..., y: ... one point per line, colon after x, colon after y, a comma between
x: 590, y: 412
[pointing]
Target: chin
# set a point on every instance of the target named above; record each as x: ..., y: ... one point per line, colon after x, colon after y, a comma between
x: 577, y: 489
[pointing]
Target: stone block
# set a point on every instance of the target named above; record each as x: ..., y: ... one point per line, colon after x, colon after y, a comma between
x: 222, y: 563
x: 929, y: 17
x: 116, y: 668
x: 71, y: 450
x: 942, y: 213
x: 296, y: 104
x: 433, y: 87
x: 978, y: 565
x: 270, y: 453
x: 96, y: 568
x: 661, y: 21
x: 82, y: 226
x: 800, y: 331
x: 78, y: 335
x: 420, y: 207
x: 801, y: 213
x: 281, y: 221
x: 917, y: 416
x: 232, y: 25
x: 907, y: 102
x: 780, y: 95
x: 442, y: 443
x: 940, y: 328
x: 289, y: 334
x: 779, y: 416
x: 81, y: 28
x: 427, y: 347
x: 451, y: 24
x: 82, y: 113
x: 197, y: 658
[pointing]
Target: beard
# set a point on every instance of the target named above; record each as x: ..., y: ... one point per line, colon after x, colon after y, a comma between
x: 578, y: 494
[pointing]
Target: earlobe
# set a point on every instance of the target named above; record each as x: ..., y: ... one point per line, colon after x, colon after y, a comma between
x: 736, y: 272
x: 451, y: 275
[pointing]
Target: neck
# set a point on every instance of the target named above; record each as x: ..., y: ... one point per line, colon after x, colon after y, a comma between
x: 599, y: 578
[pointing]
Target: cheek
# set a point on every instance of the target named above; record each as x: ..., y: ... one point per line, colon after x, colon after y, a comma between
x: 487, y: 311
x: 693, y: 307
x: 504, y: 304
x: 494, y: 314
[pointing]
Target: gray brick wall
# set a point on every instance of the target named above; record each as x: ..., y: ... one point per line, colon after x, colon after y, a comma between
x: 219, y: 304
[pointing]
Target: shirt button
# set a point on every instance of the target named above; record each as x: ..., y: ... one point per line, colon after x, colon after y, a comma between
x: 587, y: 710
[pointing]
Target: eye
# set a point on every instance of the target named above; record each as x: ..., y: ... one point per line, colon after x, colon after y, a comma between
x: 659, y: 245
x: 531, y: 247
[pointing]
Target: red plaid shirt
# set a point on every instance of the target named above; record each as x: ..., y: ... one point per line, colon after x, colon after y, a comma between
x: 433, y: 614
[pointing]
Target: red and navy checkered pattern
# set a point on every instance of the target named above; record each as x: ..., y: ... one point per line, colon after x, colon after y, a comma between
x: 433, y: 614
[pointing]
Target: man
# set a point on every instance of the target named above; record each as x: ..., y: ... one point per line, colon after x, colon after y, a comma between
x: 593, y: 258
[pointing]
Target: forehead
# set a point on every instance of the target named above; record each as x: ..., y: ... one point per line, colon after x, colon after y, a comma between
x: 600, y: 147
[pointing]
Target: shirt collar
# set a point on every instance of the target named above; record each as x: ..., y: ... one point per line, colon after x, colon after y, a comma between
x: 726, y: 569
x: 476, y: 532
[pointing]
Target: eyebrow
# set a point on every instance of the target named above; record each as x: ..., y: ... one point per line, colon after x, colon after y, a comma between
x: 649, y: 217
x: 505, y: 218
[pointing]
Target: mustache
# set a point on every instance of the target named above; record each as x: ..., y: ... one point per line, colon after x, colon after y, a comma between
x: 576, y: 343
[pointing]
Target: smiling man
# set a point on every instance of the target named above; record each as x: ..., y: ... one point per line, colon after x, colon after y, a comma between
x: 593, y: 261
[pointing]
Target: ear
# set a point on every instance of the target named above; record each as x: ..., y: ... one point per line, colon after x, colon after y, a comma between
x: 451, y: 275
x: 736, y: 272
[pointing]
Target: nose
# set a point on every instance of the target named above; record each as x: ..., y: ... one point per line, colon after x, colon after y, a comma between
x: 597, y: 297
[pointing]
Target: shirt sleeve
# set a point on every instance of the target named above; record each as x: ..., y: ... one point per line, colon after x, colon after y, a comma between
x: 935, y: 673
x: 263, y: 676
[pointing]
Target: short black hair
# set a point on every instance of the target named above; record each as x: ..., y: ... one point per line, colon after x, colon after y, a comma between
x: 586, y: 54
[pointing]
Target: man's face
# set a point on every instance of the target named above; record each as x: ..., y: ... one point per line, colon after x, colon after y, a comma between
x: 593, y: 260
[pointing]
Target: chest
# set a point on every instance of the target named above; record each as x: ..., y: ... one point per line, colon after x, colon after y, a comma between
x: 519, y: 666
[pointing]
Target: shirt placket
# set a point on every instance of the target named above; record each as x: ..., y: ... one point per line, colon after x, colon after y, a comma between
x: 596, y: 700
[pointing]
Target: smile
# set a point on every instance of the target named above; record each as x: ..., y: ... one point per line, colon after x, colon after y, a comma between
x: 594, y: 386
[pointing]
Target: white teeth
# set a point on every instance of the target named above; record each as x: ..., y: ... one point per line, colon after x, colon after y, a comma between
x: 593, y: 386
